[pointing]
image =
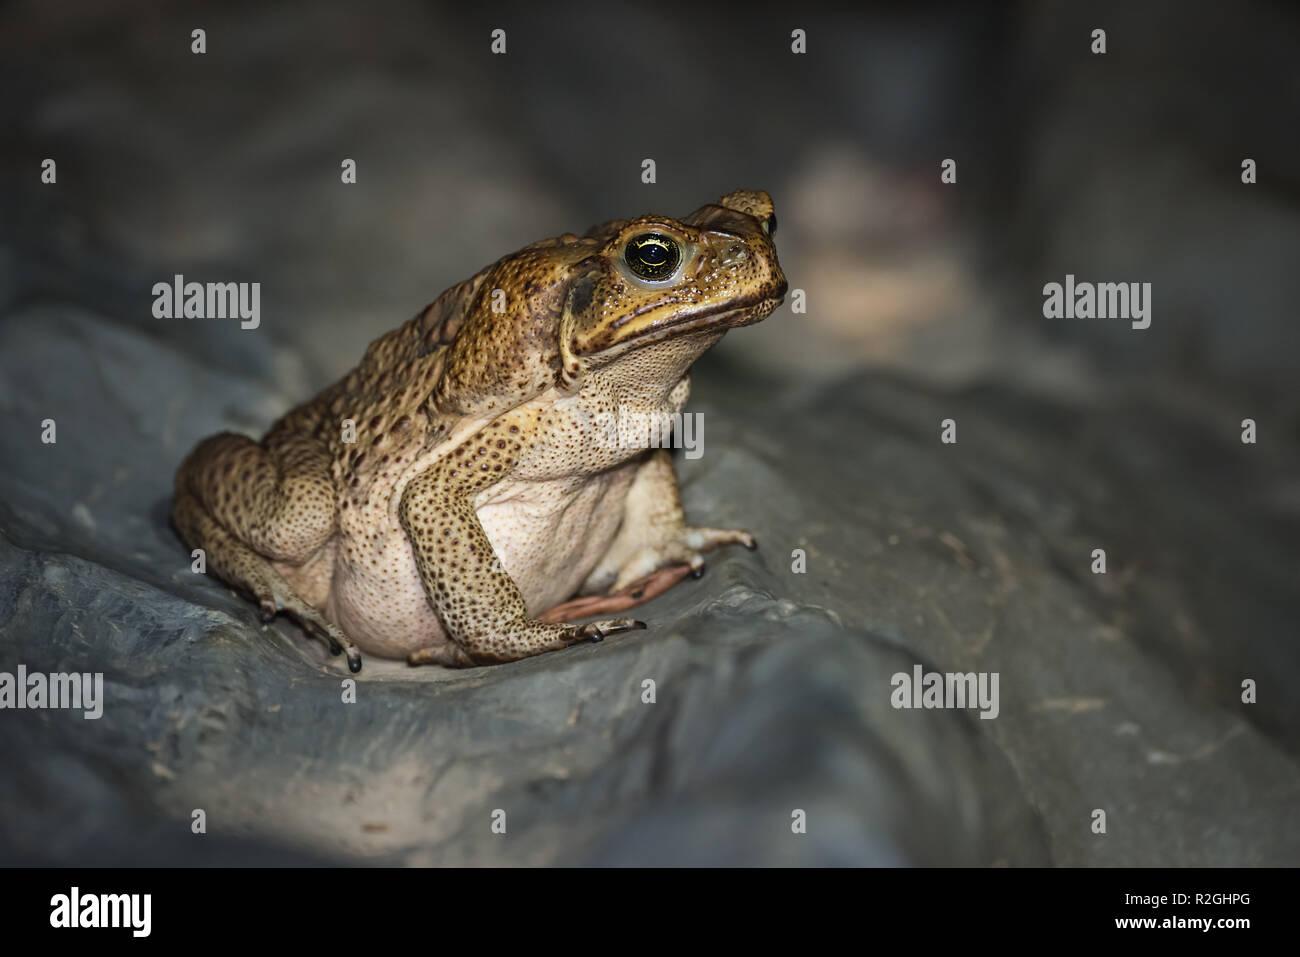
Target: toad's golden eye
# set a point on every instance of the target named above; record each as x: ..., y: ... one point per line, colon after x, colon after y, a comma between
x: 652, y: 255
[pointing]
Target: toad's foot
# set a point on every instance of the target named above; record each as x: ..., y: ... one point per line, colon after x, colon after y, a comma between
x: 630, y: 564
x: 451, y: 655
x: 637, y: 593
x: 312, y: 622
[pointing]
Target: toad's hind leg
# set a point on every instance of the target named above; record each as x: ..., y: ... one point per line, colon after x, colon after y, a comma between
x: 246, y: 505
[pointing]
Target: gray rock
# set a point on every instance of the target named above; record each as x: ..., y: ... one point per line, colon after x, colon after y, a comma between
x: 1118, y: 692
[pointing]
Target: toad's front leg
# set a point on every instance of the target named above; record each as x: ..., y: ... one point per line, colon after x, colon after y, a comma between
x: 654, y: 550
x: 479, y: 605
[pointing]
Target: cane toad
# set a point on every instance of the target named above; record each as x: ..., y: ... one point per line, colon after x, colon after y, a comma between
x: 483, y: 476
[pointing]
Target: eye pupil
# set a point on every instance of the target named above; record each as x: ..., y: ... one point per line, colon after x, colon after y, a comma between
x: 652, y: 255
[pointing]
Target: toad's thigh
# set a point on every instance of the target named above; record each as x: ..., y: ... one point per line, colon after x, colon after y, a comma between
x: 279, y: 501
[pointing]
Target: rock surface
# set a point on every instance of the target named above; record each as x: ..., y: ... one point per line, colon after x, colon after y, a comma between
x: 772, y: 688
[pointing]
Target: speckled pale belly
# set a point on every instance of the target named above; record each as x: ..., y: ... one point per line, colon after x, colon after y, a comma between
x: 549, y: 536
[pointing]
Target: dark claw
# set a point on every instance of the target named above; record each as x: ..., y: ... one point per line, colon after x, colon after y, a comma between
x: 597, y: 637
x: 354, y: 664
x: 265, y: 615
x: 752, y: 545
x: 335, y: 647
x: 698, y: 572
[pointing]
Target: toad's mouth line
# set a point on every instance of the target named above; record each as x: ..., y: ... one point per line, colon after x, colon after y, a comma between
x: 758, y: 307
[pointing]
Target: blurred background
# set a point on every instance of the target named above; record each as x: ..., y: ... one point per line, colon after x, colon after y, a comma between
x: 1122, y: 167
x: 924, y: 300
